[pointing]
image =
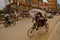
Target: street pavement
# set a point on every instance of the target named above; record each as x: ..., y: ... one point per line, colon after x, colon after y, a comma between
x: 19, y: 31
x: 55, y: 35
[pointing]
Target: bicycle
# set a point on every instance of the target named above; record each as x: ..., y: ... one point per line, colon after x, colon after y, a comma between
x: 10, y: 22
x: 32, y: 30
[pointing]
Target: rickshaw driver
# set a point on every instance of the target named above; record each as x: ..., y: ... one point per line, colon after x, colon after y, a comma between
x: 39, y: 19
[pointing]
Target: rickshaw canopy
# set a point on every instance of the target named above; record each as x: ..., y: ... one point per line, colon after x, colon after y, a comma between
x: 34, y: 11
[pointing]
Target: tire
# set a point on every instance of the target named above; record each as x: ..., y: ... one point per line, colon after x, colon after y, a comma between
x: 14, y: 22
x: 46, y: 27
x: 30, y: 32
x: 5, y: 24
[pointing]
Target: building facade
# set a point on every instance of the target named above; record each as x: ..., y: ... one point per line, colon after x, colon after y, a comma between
x: 26, y: 5
x: 52, y: 4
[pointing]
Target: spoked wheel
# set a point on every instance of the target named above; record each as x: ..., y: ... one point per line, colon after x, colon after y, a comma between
x: 30, y: 32
x: 46, y: 27
x: 5, y: 24
x: 14, y: 22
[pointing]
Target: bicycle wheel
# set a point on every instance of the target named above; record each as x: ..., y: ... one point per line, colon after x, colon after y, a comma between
x: 5, y: 24
x: 46, y: 27
x: 30, y: 32
x: 14, y: 22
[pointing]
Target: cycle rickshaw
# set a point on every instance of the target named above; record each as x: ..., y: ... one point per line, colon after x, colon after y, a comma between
x: 32, y: 30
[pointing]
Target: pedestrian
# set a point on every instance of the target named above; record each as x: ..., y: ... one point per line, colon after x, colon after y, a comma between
x: 16, y: 15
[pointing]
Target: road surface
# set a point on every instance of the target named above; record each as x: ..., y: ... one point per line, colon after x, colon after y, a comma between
x: 55, y: 35
x: 19, y: 31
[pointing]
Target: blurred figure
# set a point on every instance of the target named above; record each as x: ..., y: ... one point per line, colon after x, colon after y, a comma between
x: 7, y: 16
x: 16, y: 15
x: 39, y: 20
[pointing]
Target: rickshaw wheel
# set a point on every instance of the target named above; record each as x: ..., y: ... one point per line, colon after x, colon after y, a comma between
x: 46, y: 27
